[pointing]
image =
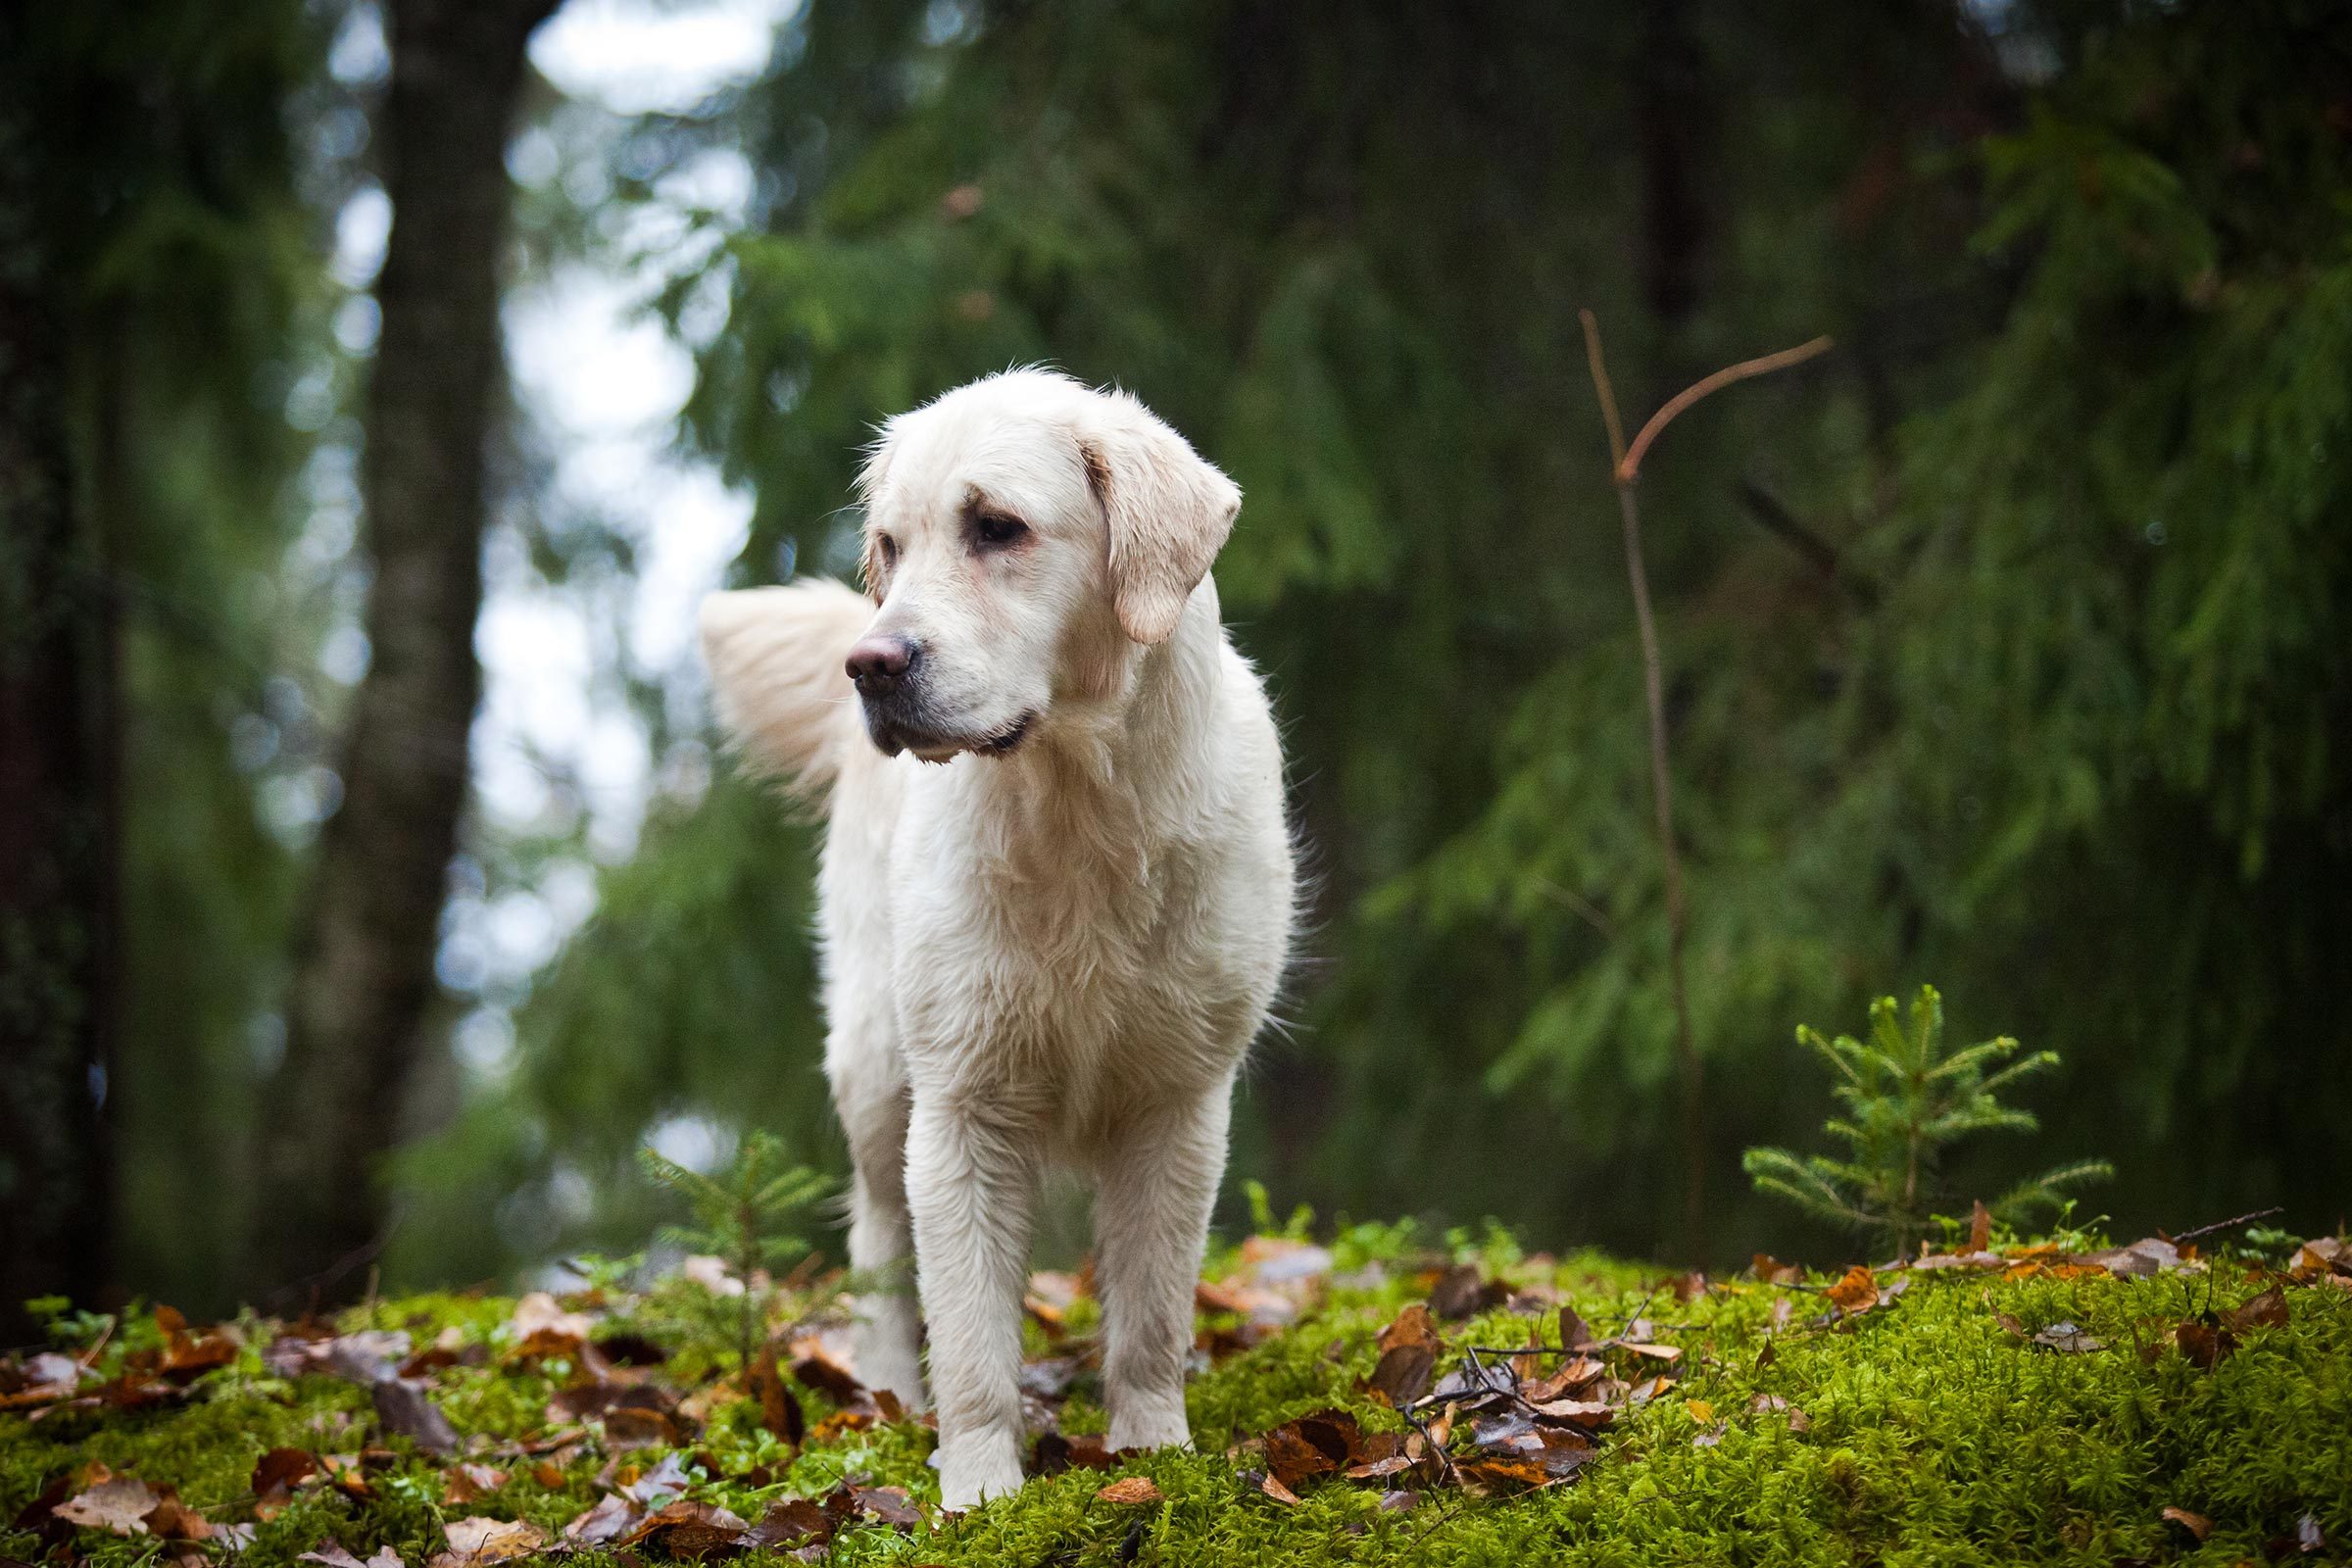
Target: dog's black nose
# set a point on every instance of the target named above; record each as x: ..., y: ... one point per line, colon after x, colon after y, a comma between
x: 878, y: 663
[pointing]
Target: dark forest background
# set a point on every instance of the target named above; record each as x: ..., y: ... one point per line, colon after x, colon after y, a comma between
x: 2007, y: 647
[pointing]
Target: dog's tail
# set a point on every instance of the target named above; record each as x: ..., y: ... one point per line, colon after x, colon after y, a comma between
x: 776, y: 658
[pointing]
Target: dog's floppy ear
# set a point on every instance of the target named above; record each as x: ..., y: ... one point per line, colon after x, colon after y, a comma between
x: 1168, y: 508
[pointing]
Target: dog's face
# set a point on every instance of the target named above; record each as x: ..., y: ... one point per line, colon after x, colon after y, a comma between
x: 1024, y: 536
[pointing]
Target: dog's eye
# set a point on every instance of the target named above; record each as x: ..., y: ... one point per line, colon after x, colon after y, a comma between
x: 889, y: 548
x: 996, y: 529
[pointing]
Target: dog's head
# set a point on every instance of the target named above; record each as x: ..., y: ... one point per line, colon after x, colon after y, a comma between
x: 1023, y: 534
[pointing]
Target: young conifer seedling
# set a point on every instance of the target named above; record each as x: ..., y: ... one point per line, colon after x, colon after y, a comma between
x: 1908, y: 1101
x: 740, y: 1215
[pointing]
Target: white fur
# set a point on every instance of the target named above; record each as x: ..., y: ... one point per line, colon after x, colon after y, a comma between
x: 1053, y: 956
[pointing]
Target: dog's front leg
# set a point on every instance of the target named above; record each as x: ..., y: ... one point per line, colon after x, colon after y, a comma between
x: 1157, y: 1183
x: 971, y: 1187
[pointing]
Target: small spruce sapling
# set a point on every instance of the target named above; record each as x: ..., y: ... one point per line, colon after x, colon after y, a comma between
x: 1907, y: 1103
x: 740, y: 1215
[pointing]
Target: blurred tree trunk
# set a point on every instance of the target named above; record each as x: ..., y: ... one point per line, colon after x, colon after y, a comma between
x: 57, y: 839
x: 363, y: 961
x: 1673, y: 121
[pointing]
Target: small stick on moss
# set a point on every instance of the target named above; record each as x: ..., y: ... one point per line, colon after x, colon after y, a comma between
x: 2228, y: 1224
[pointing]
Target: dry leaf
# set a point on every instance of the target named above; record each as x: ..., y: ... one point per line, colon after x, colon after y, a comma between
x: 471, y: 1483
x: 2197, y: 1524
x: 403, y: 1407
x: 1855, y: 1292
x: 477, y: 1541
x: 2203, y: 1344
x: 2265, y: 1311
x: 2068, y: 1339
x: 613, y: 1517
x: 1980, y: 1228
x: 121, y: 1505
x: 1134, y: 1488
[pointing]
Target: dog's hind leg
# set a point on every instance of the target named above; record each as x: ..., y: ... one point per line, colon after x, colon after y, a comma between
x: 869, y: 1094
x: 1158, y: 1184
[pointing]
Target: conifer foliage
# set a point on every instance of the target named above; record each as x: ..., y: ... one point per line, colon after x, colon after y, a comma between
x: 740, y: 1215
x: 1909, y: 1097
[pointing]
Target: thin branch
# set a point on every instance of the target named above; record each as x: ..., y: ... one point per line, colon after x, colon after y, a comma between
x: 2230, y: 1224
x: 1653, y: 687
x: 1629, y: 462
x: 1767, y: 512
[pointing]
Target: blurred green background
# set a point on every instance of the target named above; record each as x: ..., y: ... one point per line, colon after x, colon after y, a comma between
x: 2006, y: 646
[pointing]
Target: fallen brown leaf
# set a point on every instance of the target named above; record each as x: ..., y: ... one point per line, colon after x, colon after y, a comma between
x: 1463, y: 1290
x: 1855, y: 1292
x: 405, y: 1408
x: 118, y: 1503
x: 2068, y: 1339
x: 475, y: 1542
x: 2203, y: 1344
x: 470, y: 1484
x: 792, y: 1523
x: 2197, y: 1524
x: 817, y: 1368
x: 1133, y: 1489
x: 2265, y: 1311
x: 612, y: 1517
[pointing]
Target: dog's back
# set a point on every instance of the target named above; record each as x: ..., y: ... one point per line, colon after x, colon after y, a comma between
x: 775, y: 658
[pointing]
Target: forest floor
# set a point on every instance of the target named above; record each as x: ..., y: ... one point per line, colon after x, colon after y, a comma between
x: 1363, y: 1398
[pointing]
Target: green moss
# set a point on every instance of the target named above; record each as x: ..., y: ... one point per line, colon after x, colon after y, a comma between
x: 1936, y: 1436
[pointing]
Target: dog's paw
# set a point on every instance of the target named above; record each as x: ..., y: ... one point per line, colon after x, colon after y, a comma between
x: 1139, y: 1423
x: 977, y: 1469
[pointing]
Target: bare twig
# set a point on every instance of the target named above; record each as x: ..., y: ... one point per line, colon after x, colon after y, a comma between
x: 1629, y: 460
x: 1624, y: 466
x: 2230, y: 1224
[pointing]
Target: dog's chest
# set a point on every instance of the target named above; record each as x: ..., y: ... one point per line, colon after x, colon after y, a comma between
x: 1061, y: 983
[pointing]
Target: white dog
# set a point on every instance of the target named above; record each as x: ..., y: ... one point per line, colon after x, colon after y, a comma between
x: 1053, y: 946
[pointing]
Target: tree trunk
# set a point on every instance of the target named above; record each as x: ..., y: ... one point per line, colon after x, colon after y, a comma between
x: 364, y: 960
x: 57, y: 840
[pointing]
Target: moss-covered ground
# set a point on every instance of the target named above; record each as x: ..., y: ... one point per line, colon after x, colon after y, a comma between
x: 1932, y: 1428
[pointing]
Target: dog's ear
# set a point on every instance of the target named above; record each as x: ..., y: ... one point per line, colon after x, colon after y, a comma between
x: 1169, y: 510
